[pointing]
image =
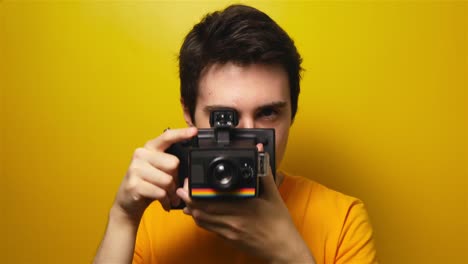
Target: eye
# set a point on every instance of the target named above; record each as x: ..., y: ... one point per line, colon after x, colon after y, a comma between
x: 268, y: 113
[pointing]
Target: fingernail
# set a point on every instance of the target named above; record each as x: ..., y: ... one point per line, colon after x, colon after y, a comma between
x: 260, y: 147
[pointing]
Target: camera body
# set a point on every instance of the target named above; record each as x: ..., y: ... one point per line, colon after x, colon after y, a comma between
x: 223, y: 162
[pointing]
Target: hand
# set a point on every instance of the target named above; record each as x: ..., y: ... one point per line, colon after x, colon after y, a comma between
x: 261, y: 226
x: 152, y: 175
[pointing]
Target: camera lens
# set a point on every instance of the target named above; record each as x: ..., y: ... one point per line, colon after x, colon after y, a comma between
x: 223, y: 175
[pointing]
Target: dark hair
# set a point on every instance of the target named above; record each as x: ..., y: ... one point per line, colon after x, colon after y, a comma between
x: 242, y: 35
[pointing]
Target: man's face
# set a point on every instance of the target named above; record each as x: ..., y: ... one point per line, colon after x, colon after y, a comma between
x: 259, y: 93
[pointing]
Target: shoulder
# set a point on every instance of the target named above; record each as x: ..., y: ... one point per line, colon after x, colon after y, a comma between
x: 335, y: 220
x: 297, y: 188
x: 320, y: 202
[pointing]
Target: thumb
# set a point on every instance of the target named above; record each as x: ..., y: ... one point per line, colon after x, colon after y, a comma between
x: 268, y: 184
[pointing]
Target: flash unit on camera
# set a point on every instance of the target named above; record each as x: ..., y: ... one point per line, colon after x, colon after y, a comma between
x: 225, y: 117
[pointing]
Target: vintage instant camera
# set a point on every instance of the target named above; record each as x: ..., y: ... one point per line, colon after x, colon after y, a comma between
x: 223, y: 162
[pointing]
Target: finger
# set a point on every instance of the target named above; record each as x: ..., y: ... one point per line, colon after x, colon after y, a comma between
x: 214, y: 216
x: 145, y: 171
x: 221, y: 230
x: 161, y: 160
x: 217, y: 224
x: 186, y: 185
x: 268, y: 181
x: 170, y: 137
x: 183, y: 193
x: 221, y: 207
x: 146, y: 190
x: 161, y: 179
x: 270, y: 189
x: 260, y: 147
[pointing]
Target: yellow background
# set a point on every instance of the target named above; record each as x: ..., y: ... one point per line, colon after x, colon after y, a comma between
x: 382, y: 115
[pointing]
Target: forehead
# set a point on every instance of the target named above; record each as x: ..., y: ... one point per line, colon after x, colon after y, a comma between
x: 243, y: 87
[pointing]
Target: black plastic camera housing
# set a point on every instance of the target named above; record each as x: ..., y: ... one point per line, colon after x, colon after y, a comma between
x: 223, y: 162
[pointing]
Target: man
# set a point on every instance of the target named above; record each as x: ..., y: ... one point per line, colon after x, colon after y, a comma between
x: 240, y: 59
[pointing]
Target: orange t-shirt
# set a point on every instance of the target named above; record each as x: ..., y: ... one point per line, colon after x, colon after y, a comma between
x: 335, y: 227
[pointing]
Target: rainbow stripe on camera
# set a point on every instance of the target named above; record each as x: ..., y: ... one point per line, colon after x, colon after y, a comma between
x: 209, y: 192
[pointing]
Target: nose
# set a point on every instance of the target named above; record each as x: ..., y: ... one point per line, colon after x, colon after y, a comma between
x: 246, y: 122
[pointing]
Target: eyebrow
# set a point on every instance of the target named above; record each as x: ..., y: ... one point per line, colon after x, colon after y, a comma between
x: 277, y: 105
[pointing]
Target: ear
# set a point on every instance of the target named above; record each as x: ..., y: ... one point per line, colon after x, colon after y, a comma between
x: 188, y: 119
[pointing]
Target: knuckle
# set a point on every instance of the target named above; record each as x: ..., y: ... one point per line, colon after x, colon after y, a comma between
x: 172, y: 162
x: 133, y: 170
x: 139, y: 153
x: 166, y: 136
x: 166, y: 181
x: 171, y: 181
x: 196, y: 214
x: 235, y: 226
x: 230, y: 235
x: 132, y: 185
x: 149, y: 143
